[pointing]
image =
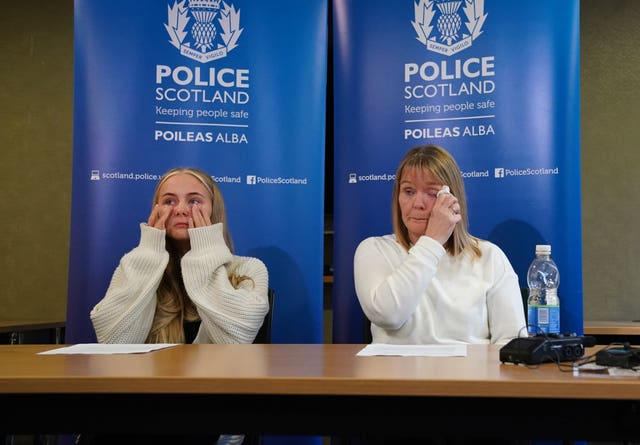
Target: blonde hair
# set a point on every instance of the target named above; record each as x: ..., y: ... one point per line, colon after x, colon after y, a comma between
x: 174, y: 306
x: 443, y: 166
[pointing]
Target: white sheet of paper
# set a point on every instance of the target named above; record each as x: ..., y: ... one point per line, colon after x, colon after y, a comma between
x: 414, y: 350
x: 99, y: 348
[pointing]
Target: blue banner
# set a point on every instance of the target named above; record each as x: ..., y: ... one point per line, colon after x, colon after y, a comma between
x: 494, y: 82
x: 235, y: 88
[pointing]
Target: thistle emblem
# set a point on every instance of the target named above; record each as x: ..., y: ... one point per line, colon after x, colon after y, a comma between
x: 449, y: 21
x: 204, y: 31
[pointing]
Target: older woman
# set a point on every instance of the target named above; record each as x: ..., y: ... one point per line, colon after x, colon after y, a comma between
x: 431, y: 282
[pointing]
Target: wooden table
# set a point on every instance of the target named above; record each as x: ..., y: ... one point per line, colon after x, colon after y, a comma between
x: 17, y: 328
x: 311, y: 389
x: 613, y: 331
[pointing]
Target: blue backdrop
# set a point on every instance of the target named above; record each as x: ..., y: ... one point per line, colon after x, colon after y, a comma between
x: 237, y: 89
x: 496, y: 83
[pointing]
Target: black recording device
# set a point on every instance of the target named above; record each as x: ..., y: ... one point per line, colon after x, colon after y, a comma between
x: 541, y: 348
x: 621, y: 357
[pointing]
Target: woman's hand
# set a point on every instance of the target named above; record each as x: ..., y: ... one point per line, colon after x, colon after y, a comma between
x: 198, y: 217
x: 445, y: 214
x: 158, y: 216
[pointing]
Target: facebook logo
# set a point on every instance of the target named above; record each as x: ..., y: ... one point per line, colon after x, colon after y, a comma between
x: 251, y: 179
x: 498, y: 172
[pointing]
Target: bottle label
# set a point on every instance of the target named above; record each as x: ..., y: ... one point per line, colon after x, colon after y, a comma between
x: 543, y: 319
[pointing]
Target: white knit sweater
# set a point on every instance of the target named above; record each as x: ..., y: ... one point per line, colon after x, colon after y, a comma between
x: 228, y: 315
x: 426, y: 296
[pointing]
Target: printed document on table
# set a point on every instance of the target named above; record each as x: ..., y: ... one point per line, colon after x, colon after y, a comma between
x: 100, y: 348
x: 414, y: 350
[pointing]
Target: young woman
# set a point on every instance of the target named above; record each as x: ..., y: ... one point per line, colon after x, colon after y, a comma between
x: 182, y: 283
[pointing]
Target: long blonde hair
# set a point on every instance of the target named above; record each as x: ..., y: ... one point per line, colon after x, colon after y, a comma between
x: 174, y: 306
x: 443, y: 166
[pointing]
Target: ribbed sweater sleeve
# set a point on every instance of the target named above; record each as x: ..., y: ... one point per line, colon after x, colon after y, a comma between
x: 125, y: 313
x: 228, y: 314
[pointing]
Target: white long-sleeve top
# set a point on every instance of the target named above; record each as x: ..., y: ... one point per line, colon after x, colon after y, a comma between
x: 228, y: 315
x: 427, y: 296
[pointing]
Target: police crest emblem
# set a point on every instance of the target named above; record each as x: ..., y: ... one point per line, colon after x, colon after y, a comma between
x: 440, y: 25
x: 192, y: 28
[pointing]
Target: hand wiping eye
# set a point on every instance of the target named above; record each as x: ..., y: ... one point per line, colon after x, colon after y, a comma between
x: 444, y: 189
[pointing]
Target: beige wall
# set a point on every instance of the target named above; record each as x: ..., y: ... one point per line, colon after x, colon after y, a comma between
x: 36, y: 103
x: 36, y: 99
x: 610, y: 119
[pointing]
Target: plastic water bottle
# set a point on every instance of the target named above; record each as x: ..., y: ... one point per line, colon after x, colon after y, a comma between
x: 543, y: 305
